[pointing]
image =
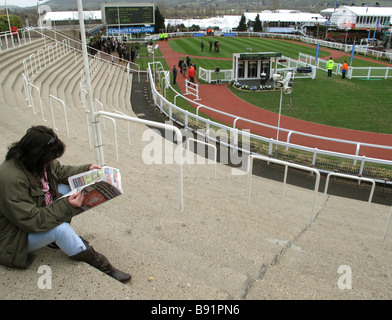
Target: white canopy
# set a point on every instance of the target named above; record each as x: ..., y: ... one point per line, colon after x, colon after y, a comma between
x: 71, y: 15
x: 292, y: 16
x: 225, y: 23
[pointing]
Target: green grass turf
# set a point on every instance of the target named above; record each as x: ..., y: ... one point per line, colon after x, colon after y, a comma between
x: 354, y: 104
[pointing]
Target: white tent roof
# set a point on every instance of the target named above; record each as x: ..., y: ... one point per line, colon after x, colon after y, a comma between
x: 225, y: 23
x: 368, y: 11
x: 71, y: 15
x: 285, y: 16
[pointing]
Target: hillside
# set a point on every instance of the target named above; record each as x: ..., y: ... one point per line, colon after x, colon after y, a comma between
x: 171, y: 8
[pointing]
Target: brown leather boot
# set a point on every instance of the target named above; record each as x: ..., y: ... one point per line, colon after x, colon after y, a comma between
x: 99, y: 261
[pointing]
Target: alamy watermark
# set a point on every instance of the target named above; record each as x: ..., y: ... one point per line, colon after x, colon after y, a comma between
x: 45, y: 280
x: 345, y: 280
x: 232, y: 147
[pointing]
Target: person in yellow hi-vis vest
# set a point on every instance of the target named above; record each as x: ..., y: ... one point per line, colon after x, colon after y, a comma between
x: 330, y: 65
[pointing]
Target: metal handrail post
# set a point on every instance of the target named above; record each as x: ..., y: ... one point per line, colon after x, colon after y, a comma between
x: 347, y: 176
x: 95, y: 125
x: 205, y: 143
x: 115, y: 133
x: 64, y: 109
x: 287, y: 164
x: 160, y: 126
x: 388, y: 224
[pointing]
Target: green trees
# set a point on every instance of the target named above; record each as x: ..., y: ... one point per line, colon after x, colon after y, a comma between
x: 242, y: 24
x: 14, y: 21
x: 257, y: 27
x: 159, y: 21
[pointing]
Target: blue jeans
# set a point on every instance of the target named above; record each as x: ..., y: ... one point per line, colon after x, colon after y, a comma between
x: 64, y: 236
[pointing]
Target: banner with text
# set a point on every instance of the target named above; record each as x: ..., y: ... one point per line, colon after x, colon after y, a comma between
x: 124, y: 30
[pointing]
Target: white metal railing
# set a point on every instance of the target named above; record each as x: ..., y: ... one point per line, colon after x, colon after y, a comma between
x: 31, y: 99
x: 286, y: 165
x: 177, y: 154
x: 346, y: 176
x: 294, y: 65
x: 183, y: 117
x: 369, y: 72
x: 353, y: 72
x: 388, y: 224
x: 192, y: 89
x: 60, y: 48
x: 301, y: 38
x: 319, y: 63
x: 114, y: 133
x: 7, y: 36
x: 111, y: 117
x: 209, y: 145
x: 367, y: 51
x: 387, y: 227
x: 210, y: 76
x: 52, y: 97
x: 160, y: 101
x: 37, y: 60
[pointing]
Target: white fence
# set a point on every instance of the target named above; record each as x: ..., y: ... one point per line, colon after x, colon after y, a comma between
x: 211, y: 76
x: 168, y: 108
x: 369, y: 73
x: 353, y: 72
x: 191, y: 88
x: 319, y: 63
x: 184, y: 118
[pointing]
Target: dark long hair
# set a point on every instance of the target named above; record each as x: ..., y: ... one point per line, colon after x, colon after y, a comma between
x: 38, y: 147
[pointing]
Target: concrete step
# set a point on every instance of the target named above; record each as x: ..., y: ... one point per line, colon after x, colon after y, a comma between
x: 219, y: 247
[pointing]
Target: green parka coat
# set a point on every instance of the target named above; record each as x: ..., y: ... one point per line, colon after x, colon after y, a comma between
x: 23, y: 211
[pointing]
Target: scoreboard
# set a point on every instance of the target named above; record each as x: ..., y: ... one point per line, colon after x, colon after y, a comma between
x: 125, y: 15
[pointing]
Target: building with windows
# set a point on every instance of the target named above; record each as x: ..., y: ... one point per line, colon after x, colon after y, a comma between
x: 285, y: 21
x: 353, y: 24
x: 361, y: 18
x: 280, y: 21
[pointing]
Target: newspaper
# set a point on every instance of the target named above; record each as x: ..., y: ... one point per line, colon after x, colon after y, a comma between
x: 98, y: 186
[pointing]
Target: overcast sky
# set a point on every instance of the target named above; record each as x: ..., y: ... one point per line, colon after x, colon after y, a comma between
x: 20, y: 3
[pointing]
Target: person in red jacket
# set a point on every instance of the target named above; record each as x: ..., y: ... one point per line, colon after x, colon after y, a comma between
x: 191, y: 74
x: 14, y: 31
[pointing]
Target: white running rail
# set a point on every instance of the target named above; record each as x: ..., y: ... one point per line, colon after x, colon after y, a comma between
x: 286, y: 165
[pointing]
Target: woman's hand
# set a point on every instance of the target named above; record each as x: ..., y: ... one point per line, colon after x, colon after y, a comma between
x: 76, y: 199
x: 94, y: 166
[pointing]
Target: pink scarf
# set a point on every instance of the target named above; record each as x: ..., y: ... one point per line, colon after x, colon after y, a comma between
x: 45, y: 189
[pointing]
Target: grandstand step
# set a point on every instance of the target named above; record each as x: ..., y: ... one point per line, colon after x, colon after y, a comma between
x: 219, y: 247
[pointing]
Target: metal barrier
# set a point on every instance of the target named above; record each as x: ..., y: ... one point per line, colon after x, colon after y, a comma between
x: 192, y: 88
x: 168, y: 108
x: 206, y: 144
x: 387, y: 227
x: 346, y: 176
x: 179, y: 141
x: 31, y: 100
x: 51, y: 97
x: 286, y: 165
x: 388, y: 224
x: 159, y: 125
x: 114, y: 133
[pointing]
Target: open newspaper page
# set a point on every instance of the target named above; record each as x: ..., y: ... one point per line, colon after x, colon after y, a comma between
x: 98, y: 186
x: 86, y: 178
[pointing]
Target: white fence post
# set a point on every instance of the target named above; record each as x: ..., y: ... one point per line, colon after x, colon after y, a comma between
x: 192, y: 90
